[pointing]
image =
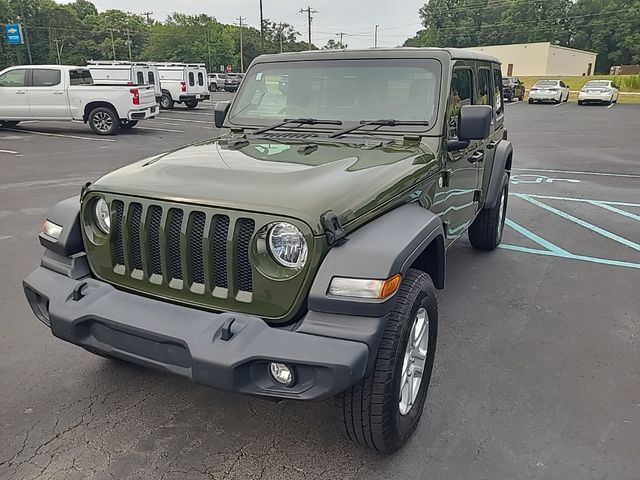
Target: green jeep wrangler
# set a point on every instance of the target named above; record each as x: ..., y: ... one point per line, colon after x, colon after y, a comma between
x: 297, y: 255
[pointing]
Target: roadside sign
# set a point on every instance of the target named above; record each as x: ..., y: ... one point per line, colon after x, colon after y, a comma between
x: 13, y: 32
x: 229, y: 69
x: 222, y: 68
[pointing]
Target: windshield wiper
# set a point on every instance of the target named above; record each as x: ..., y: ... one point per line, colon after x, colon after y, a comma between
x: 380, y: 123
x: 301, y: 121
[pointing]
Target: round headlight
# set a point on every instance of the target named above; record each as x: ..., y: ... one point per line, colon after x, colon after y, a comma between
x: 102, y: 215
x: 287, y: 245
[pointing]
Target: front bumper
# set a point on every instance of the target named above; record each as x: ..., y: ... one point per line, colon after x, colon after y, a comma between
x: 143, y: 113
x: 595, y: 97
x: 545, y: 96
x: 190, y: 343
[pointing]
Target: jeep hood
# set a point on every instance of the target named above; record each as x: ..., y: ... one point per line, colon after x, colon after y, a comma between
x: 279, y: 178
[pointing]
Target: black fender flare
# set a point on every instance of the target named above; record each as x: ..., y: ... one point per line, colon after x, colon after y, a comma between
x: 66, y: 214
x: 386, y: 246
x: 494, y: 169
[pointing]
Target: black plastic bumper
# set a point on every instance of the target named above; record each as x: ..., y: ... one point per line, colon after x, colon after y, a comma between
x: 189, y: 342
x: 200, y: 97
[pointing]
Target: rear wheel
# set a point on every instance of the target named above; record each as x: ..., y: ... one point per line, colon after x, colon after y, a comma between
x: 104, y: 121
x: 530, y: 101
x: 191, y: 104
x: 9, y: 123
x: 166, y: 102
x: 128, y: 124
x: 485, y: 233
x: 521, y: 97
x: 383, y: 410
x: 580, y: 102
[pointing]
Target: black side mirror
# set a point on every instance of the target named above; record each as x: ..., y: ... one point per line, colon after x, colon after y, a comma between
x: 220, y: 113
x: 474, y: 122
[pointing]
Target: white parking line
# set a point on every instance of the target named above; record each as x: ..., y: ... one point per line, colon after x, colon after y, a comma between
x: 558, y: 104
x: 210, y: 114
x: 174, y: 119
x: 160, y: 129
x: 59, y: 135
x: 604, y: 174
x: 610, y: 106
x: 9, y: 151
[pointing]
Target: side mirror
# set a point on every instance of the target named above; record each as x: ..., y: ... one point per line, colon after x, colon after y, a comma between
x: 220, y: 113
x: 474, y: 122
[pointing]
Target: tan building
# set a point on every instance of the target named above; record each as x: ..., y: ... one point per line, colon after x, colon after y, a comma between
x: 541, y: 59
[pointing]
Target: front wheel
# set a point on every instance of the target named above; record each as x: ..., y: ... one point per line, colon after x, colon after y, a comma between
x: 9, y: 123
x: 128, y: 124
x: 383, y: 410
x: 104, y: 121
x: 485, y: 233
x: 531, y: 101
x: 566, y: 99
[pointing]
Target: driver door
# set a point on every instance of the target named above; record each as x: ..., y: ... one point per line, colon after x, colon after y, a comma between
x: 14, y: 104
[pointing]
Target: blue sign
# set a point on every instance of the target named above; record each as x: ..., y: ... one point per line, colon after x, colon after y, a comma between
x: 14, y: 34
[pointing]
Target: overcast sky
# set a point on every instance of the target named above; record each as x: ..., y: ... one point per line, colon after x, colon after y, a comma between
x: 356, y: 18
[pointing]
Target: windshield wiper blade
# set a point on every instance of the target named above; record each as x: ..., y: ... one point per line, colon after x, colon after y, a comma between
x: 301, y: 121
x: 380, y: 123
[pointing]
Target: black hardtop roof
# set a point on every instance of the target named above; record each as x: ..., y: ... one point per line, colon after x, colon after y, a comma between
x: 379, y: 53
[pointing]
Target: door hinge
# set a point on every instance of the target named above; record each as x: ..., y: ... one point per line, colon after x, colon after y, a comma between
x: 446, y: 178
x: 477, y: 195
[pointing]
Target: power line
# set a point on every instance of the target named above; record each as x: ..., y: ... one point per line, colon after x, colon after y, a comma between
x: 309, y: 11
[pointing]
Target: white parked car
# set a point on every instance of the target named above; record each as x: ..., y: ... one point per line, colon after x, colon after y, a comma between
x: 183, y: 83
x: 216, y: 81
x: 549, y: 91
x: 63, y: 92
x: 599, y: 91
x: 107, y: 72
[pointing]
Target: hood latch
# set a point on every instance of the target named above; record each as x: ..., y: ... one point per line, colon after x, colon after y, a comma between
x: 334, y: 232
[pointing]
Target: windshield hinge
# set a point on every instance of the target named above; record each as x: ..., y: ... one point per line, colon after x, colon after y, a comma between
x: 334, y: 232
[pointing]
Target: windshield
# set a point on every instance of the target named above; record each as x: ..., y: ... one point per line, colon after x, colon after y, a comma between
x: 597, y: 83
x: 546, y: 83
x: 346, y: 90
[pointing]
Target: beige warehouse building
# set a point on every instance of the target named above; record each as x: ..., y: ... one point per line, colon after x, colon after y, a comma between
x: 541, y: 59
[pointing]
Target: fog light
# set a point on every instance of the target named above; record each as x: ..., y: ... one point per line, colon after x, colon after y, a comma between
x: 282, y: 374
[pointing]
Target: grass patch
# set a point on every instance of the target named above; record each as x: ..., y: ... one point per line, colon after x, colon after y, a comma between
x: 627, y: 83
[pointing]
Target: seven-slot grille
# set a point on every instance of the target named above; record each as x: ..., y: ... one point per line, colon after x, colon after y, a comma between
x: 187, y: 249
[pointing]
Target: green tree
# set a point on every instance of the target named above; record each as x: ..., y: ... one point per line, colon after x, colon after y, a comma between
x: 334, y: 45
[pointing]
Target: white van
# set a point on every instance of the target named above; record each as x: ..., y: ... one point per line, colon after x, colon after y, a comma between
x: 109, y: 72
x: 183, y: 83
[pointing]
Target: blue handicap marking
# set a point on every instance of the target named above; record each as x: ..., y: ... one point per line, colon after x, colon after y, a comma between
x: 550, y: 249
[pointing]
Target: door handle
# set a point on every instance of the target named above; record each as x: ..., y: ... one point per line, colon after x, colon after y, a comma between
x: 476, y: 157
x: 20, y: 92
x: 492, y: 144
x: 58, y: 93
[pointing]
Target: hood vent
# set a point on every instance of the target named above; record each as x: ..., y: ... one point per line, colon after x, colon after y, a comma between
x: 288, y: 135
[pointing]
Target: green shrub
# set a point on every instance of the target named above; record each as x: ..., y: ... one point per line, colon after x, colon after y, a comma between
x: 630, y: 83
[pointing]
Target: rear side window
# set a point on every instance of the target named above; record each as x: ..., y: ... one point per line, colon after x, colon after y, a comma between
x: 192, y: 79
x: 152, y: 78
x: 46, y: 78
x: 484, y: 86
x: 140, y: 78
x: 13, y: 78
x: 460, y: 96
x: 80, y: 77
x: 497, y: 91
x: 200, y: 79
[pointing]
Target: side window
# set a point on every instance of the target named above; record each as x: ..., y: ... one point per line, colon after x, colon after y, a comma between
x: 562, y: 84
x: 13, y: 78
x: 152, y: 78
x: 200, y: 79
x: 46, y: 77
x: 192, y: 79
x: 497, y: 91
x: 140, y: 78
x: 461, y: 95
x: 484, y: 87
x: 80, y: 77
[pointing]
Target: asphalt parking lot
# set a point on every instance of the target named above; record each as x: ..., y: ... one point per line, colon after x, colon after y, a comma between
x: 537, y: 373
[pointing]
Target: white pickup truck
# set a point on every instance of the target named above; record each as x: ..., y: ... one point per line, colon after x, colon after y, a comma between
x: 62, y: 92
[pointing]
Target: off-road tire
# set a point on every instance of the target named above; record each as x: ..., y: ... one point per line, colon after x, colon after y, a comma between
x: 128, y: 124
x: 485, y: 233
x: 368, y: 412
x: 191, y: 104
x: 166, y: 102
x: 9, y: 123
x: 100, y: 116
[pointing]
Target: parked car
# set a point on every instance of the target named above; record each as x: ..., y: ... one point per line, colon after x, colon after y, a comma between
x: 183, y: 83
x: 107, y: 72
x: 512, y: 88
x: 62, y: 92
x: 601, y: 91
x: 233, y: 81
x: 294, y: 258
x: 216, y: 81
x: 549, y: 91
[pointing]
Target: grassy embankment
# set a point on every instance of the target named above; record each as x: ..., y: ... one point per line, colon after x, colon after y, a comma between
x: 627, y: 84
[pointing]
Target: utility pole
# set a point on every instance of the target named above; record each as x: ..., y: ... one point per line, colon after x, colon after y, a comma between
x: 148, y: 15
x: 129, y: 42
x: 280, y: 35
x: 113, y: 44
x: 23, y: 20
x: 240, y: 20
x: 58, y: 51
x: 341, y: 34
x: 261, y: 28
x: 375, y: 42
x: 309, y: 11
